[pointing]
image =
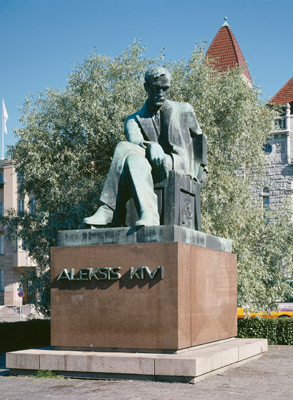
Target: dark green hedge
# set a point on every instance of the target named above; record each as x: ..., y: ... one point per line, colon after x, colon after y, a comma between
x: 36, y: 333
x: 24, y: 335
x: 277, y: 331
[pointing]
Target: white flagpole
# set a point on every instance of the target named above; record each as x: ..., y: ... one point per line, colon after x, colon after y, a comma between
x: 2, y: 158
x: 4, y: 127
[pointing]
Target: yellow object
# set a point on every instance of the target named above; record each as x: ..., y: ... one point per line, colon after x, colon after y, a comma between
x: 284, y: 310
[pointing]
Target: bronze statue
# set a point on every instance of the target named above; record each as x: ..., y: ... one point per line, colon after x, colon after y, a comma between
x: 160, y: 137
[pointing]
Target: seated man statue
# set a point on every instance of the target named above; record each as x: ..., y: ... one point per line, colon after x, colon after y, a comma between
x: 159, y: 139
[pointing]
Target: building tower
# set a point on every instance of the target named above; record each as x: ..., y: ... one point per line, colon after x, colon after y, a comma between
x: 225, y: 52
x: 280, y: 149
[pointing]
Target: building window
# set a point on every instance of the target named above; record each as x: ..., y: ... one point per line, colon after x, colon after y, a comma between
x: 266, y: 202
x: 266, y: 198
x: 19, y: 178
x: 267, y: 148
x: 1, y: 178
x: 1, y: 243
x: 32, y: 206
x: 2, y: 285
x: 20, y: 206
x: 23, y: 246
x: 280, y: 122
x: 1, y: 208
x: 15, y: 243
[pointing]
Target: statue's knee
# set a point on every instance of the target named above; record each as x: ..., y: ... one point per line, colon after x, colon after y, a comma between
x: 137, y: 162
x: 121, y: 151
x: 124, y: 148
x: 121, y: 147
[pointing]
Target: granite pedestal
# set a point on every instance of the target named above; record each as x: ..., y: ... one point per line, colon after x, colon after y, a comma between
x: 181, y: 294
x: 155, y: 303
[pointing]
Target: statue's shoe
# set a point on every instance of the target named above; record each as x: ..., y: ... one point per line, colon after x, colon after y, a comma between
x: 102, y: 217
x: 148, y: 219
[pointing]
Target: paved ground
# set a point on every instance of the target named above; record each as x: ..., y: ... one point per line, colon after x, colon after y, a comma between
x: 267, y: 378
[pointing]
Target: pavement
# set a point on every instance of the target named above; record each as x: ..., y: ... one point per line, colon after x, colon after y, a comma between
x: 269, y: 377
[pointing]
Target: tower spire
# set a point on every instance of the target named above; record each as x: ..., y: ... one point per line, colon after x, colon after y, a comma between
x: 225, y: 51
x: 225, y: 23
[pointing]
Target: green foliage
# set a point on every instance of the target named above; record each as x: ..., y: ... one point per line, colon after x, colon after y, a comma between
x: 68, y: 137
x: 237, y: 124
x: 277, y: 331
x: 24, y: 335
x: 47, y: 374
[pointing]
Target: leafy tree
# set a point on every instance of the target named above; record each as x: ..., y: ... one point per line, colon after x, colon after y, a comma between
x: 68, y: 137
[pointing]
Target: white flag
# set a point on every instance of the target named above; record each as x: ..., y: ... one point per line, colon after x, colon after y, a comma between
x: 4, y: 117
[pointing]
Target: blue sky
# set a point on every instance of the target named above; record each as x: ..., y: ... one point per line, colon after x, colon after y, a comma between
x: 41, y: 40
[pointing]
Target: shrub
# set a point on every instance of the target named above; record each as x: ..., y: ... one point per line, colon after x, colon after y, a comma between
x: 277, y: 331
x: 24, y: 335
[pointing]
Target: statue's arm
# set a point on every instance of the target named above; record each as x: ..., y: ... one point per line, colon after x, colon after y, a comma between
x: 192, y: 145
x: 200, y: 147
x: 134, y: 135
x: 159, y: 160
x: 133, y: 132
x: 194, y: 127
x: 178, y: 159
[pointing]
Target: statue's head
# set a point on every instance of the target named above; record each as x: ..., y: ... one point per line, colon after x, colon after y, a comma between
x: 157, y: 85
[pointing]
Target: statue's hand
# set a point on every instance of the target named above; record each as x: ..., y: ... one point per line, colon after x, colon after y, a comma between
x: 204, y: 177
x: 158, y: 159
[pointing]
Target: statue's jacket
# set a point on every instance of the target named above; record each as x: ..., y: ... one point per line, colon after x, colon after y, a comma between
x: 179, y: 135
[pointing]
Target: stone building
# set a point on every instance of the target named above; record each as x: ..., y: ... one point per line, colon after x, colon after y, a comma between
x: 279, y: 176
x: 277, y: 181
x: 13, y: 256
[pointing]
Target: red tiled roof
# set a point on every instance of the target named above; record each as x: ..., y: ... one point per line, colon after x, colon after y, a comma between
x: 284, y: 95
x: 226, y: 52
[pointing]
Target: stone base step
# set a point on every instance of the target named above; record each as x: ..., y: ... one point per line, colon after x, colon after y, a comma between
x: 189, y: 365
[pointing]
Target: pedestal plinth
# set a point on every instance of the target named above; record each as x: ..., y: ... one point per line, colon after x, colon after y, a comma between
x: 131, y: 296
x: 154, y: 296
